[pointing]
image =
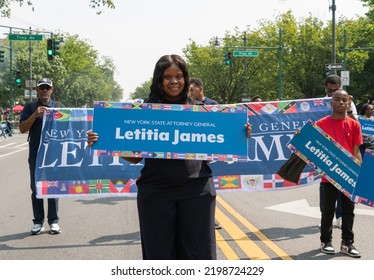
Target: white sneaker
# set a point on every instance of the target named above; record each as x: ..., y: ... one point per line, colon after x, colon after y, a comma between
x: 37, y: 229
x: 54, y: 229
x: 338, y: 223
x: 350, y: 250
x: 327, y: 248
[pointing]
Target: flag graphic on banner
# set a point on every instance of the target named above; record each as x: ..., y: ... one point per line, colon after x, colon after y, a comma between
x: 54, y: 187
x: 229, y: 182
x: 287, y: 107
x: 166, y: 106
x: 190, y: 156
x: 252, y: 181
x: 116, y: 186
x: 318, y: 102
x: 272, y: 181
x: 121, y: 186
x: 78, y: 187
x: 269, y: 108
x: 99, y: 186
x: 62, y: 116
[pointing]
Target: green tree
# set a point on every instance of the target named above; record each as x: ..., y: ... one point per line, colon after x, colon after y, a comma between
x: 306, y: 49
x: 359, y: 56
x: 305, y: 55
x: 220, y: 81
x: 143, y: 91
x: 79, y: 75
x: 370, y: 5
x: 87, y: 78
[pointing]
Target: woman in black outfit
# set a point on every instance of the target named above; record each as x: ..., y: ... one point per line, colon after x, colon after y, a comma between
x: 176, y: 198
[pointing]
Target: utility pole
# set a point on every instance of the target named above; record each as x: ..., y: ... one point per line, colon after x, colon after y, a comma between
x: 11, y: 88
x: 245, y: 68
x: 30, y: 65
x: 280, y: 50
x: 333, y: 53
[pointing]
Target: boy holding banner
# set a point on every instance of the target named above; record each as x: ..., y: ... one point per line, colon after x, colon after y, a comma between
x: 347, y: 132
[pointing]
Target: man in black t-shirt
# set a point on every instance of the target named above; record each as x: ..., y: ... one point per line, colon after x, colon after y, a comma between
x: 197, y: 93
x: 31, y: 121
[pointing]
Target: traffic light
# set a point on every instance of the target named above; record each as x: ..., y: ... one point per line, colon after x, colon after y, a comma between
x: 18, y: 78
x: 50, y: 49
x: 1, y: 56
x: 56, y: 47
x: 227, y: 58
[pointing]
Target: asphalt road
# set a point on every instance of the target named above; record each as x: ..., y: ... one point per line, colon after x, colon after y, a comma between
x: 271, y: 225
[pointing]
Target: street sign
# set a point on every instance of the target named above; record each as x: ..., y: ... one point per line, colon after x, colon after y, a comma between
x: 344, y: 75
x: 30, y: 83
x: 336, y: 66
x: 245, y: 53
x: 25, y: 37
x: 27, y: 93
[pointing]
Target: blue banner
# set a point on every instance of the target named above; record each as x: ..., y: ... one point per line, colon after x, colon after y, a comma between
x: 336, y: 164
x: 367, y: 126
x: 327, y: 156
x: 189, y: 132
x: 364, y: 191
x: 65, y: 166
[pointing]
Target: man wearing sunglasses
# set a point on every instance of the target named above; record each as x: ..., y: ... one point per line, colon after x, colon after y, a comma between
x: 31, y: 121
x: 332, y: 84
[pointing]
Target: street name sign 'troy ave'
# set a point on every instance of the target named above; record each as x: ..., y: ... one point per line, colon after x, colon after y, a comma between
x: 25, y: 37
x: 245, y: 53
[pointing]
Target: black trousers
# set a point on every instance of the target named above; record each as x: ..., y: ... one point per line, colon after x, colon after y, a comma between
x: 331, y: 194
x: 338, y: 212
x: 177, y: 228
x: 37, y: 203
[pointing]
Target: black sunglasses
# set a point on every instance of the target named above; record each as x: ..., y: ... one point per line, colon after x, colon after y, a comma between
x: 42, y: 87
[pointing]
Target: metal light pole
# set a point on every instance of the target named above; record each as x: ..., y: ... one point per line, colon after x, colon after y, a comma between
x: 280, y: 50
x: 30, y: 65
x: 333, y: 53
x: 345, y: 49
x: 11, y: 88
x: 245, y: 67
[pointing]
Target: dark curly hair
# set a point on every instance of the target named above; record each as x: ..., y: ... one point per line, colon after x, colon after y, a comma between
x: 363, y: 108
x: 157, y: 95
